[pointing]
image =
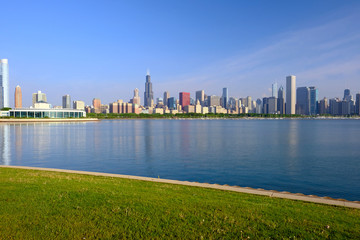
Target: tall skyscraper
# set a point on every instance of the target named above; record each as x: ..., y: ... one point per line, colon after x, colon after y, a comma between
x: 323, y: 106
x: 136, y: 98
x: 66, y: 101
x: 184, y: 98
x: 290, y: 94
x: 4, y: 83
x: 38, y: 97
x: 314, y: 98
x: 225, y: 97
x: 274, y: 89
x: 281, y: 101
x: 166, y: 98
x: 347, y: 96
x: 357, y: 104
x: 200, y: 95
x: 148, y: 94
x: 171, y: 103
x: 18, y: 97
x: 302, y: 101
x: 97, y: 105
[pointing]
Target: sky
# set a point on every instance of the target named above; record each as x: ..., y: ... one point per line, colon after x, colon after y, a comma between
x: 102, y: 49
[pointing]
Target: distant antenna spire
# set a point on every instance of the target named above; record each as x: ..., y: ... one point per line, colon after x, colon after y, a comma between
x: 148, y: 71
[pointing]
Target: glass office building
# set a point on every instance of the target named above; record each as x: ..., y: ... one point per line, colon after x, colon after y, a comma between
x: 4, y: 83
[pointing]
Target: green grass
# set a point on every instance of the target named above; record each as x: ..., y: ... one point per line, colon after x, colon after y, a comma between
x: 49, y: 205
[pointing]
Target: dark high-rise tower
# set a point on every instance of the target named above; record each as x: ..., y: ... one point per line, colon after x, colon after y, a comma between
x: 281, y: 101
x: 148, y: 94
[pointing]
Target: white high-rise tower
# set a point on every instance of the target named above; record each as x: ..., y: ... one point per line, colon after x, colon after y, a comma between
x: 290, y: 94
x: 4, y: 83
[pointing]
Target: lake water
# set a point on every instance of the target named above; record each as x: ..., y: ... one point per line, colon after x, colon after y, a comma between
x: 320, y: 157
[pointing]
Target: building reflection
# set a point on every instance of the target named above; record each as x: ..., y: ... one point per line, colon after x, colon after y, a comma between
x: 5, y: 144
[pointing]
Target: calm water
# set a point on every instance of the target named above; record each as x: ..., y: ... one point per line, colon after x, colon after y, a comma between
x: 320, y: 157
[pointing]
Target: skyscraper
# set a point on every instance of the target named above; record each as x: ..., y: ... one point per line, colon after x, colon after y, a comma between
x: 302, y: 101
x: 225, y: 97
x: 97, y: 105
x: 148, y: 94
x: 166, y: 98
x: 314, y: 98
x: 347, y: 96
x: 136, y: 98
x: 4, y: 83
x: 171, y: 103
x: 357, y: 109
x: 274, y: 89
x: 281, y: 101
x: 39, y: 97
x: 323, y: 106
x: 66, y: 101
x: 18, y: 97
x: 184, y: 98
x: 200, y: 95
x: 290, y: 94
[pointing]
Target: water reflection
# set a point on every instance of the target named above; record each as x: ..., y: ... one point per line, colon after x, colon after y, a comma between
x: 5, y: 144
x: 292, y: 155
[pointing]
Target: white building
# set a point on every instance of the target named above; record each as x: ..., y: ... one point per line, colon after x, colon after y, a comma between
x: 4, y: 83
x: 290, y: 94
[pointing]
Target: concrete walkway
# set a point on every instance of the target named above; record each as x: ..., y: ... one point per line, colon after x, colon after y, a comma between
x: 269, y: 193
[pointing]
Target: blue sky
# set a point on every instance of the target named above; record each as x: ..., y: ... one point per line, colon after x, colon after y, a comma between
x: 102, y: 49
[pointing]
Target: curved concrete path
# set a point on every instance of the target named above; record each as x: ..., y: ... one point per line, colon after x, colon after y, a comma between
x: 269, y: 193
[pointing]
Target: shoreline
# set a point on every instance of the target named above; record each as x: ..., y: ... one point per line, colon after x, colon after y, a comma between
x: 248, y: 190
x: 40, y: 120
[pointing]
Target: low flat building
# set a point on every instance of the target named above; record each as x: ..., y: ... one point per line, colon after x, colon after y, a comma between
x: 46, y: 113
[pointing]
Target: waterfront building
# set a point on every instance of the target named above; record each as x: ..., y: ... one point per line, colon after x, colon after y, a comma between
x: 79, y: 105
x: 148, y: 94
x: 114, y: 107
x: 87, y: 109
x: 259, y: 106
x: 96, y: 105
x: 323, y: 106
x: 248, y: 103
x: 303, y: 101
x: 4, y: 84
x: 66, y: 101
x: 290, y: 94
x: 334, y: 106
x: 213, y: 100
x: 281, y: 101
x: 357, y: 104
x: 198, y: 108
x: 205, y: 110
x: 136, y: 98
x: 171, y: 103
x: 200, y: 95
x: 18, y: 97
x: 39, y: 97
x: 166, y: 97
x: 184, y: 98
x: 345, y: 108
x: 270, y: 105
x: 347, y: 95
x: 314, y: 98
x: 225, y: 98
x: 47, y: 113
x: 274, y: 89
x: 189, y: 109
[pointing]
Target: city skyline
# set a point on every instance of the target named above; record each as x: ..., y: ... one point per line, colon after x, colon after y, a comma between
x: 246, y: 49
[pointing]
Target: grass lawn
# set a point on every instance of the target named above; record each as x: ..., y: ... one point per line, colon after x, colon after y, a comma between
x: 49, y: 205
